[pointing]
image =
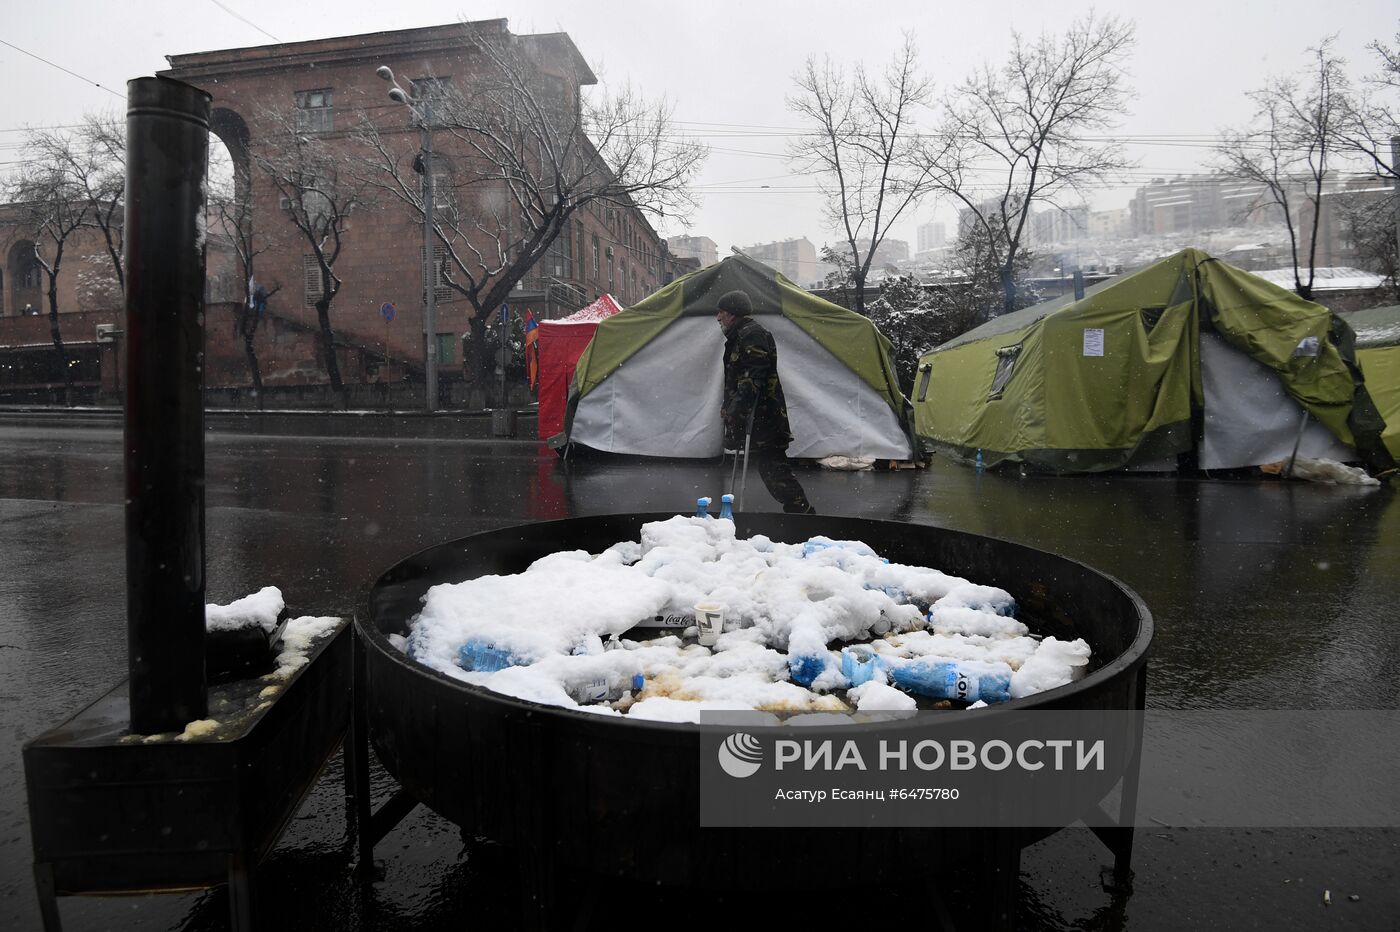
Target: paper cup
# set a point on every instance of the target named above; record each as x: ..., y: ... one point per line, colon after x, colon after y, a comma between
x: 709, y: 618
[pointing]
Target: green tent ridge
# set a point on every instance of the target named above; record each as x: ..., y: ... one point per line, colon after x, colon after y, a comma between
x: 1047, y: 385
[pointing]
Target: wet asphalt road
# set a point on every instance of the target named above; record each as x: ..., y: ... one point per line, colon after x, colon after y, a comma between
x: 1267, y: 595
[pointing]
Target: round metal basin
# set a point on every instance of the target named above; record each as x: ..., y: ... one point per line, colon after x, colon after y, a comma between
x: 620, y: 797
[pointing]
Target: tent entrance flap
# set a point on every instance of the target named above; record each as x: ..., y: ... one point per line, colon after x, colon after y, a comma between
x: 832, y: 411
x: 663, y: 401
x: 1250, y: 419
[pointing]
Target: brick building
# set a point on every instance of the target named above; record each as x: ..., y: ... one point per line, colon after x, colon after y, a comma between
x: 330, y: 86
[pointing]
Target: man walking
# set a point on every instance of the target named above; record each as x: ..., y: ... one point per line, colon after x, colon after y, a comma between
x: 752, y: 389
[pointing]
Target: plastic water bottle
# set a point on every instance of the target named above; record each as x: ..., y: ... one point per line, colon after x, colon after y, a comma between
x: 607, y: 687
x: 726, y: 506
x: 805, y: 668
x: 484, y: 657
x: 858, y: 663
x: 702, y: 506
x: 979, y: 459
x: 946, y: 679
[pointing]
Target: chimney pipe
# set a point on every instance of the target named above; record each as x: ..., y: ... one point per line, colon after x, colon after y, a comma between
x: 167, y: 142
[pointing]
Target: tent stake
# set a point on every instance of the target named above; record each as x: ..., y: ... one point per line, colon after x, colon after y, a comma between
x: 1288, y: 473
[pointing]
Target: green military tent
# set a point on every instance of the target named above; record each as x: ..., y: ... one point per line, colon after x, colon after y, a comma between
x: 1189, y: 355
x: 1378, y: 353
x: 650, y: 382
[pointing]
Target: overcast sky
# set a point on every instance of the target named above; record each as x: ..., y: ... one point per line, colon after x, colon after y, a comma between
x: 726, y: 66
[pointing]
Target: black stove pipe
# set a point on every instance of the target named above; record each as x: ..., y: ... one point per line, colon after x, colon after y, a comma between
x: 167, y: 143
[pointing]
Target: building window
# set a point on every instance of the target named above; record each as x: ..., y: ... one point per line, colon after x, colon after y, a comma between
x: 595, y: 257
x: 429, y: 88
x: 559, y: 255
x: 441, y: 290
x: 579, y: 245
x: 434, y: 92
x: 311, y: 280
x: 314, y: 114
x: 442, y: 189
x: 556, y: 96
x: 446, y: 349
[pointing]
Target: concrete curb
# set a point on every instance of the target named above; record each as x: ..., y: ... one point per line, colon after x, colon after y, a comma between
x: 443, y: 425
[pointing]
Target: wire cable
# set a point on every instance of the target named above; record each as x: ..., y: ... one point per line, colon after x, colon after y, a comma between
x: 63, y: 69
x: 244, y: 19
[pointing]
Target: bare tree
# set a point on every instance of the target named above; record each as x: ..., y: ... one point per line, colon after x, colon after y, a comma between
x: 1368, y: 223
x: 51, y: 209
x: 231, y: 213
x: 1021, y: 134
x: 1374, y: 118
x: 93, y: 160
x: 523, y: 153
x: 1289, y: 152
x: 318, y: 194
x: 862, y: 147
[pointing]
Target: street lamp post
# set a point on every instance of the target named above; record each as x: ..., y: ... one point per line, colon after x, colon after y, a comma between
x: 420, y: 108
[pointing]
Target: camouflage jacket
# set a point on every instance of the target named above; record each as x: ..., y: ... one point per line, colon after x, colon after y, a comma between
x: 751, y: 383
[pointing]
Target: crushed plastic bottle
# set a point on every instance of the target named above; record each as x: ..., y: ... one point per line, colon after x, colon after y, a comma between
x: 979, y: 459
x: 726, y: 506
x: 858, y: 663
x: 481, y: 656
x: 805, y: 668
x: 702, y: 507
x: 946, y: 679
x: 817, y: 544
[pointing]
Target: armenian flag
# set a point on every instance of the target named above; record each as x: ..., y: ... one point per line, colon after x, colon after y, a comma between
x: 532, y: 348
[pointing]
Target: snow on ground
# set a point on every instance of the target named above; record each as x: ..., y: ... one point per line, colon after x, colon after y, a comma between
x: 553, y: 633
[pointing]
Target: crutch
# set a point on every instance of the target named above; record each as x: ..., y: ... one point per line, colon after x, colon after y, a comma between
x: 1297, y: 441
x: 748, y: 438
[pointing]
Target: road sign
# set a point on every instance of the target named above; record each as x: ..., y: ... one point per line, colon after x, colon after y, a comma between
x: 388, y: 311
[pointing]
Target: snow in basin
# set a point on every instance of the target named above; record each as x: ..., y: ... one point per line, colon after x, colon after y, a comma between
x: 560, y: 622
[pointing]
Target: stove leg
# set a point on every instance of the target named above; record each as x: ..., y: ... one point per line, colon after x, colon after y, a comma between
x: 357, y: 769
x: 48, y: 898
x: 240, y: 895
x: 349, y: 760
x: 1005, y: 881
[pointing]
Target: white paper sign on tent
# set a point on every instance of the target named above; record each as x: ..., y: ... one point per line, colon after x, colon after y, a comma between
x: 1093, y: 341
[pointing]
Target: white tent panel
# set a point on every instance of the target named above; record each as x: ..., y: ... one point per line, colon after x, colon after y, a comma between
x: 1250, y: 419
x: 665, y: 399
x: 832, y: 411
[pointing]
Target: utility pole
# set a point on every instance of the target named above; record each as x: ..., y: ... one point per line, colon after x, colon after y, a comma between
x: 421, y: 108
x: 429, y: 265
x: 1395, y: 183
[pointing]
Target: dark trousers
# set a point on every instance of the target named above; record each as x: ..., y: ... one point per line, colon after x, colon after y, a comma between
x: 776, y: 472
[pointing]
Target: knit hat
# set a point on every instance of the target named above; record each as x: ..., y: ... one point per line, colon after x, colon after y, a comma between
x: 736, y: 303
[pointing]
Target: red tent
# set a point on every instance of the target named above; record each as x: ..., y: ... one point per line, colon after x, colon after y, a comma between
x: 561, y: 342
